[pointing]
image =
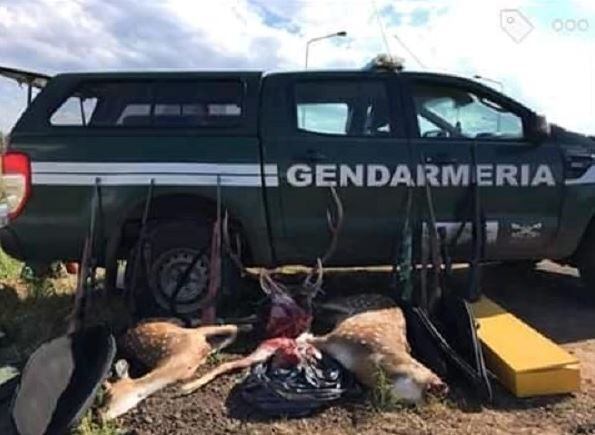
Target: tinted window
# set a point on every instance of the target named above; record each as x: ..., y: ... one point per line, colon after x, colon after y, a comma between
x: 198, y: 103
x: 444, y: 112
x: 346, y: 107
x: 74, y: 111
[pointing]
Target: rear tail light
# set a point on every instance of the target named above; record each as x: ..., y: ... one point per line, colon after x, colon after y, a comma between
x: 16, y: 181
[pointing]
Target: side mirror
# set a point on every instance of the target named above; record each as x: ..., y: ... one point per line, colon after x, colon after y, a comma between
x: 540, y: 128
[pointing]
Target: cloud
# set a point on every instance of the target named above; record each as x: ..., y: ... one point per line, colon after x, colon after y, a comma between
x: 551, y: 71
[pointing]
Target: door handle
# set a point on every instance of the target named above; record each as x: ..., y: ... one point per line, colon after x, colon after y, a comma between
x: 311, y: 156
x: 441, y: 159
x: 578, y: 161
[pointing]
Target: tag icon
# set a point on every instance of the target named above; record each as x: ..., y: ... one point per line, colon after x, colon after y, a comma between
x: 515, y: 24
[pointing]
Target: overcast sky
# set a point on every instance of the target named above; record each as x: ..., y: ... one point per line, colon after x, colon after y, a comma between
x: 542, y: 51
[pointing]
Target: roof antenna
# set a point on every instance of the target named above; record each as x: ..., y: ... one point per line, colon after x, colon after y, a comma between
x: 381, y: 27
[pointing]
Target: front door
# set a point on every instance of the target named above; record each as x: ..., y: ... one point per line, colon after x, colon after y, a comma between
x: 342, y: 130
x: 519, y: 180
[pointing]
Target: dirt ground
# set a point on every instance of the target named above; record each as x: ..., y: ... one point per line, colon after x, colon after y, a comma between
x: 550, y: 298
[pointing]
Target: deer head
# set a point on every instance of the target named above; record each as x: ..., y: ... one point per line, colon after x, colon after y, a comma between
x: 121, y: 393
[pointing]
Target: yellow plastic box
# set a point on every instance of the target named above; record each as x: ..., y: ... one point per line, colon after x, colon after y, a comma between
x: 523, y: 360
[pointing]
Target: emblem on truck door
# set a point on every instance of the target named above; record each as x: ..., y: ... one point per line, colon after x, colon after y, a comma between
x: 378, y: 175
x: 525, y: 232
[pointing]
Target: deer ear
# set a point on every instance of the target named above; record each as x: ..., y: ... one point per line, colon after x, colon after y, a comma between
x: 121, y: 369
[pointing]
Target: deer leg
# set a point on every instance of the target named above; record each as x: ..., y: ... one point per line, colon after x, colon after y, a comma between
x: 228, y: 334
x: 262, y: 353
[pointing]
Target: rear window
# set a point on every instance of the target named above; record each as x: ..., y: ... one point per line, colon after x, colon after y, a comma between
x: 196, y: 103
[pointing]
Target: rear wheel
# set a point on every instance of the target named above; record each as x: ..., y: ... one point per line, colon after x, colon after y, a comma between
x: 170, y: 249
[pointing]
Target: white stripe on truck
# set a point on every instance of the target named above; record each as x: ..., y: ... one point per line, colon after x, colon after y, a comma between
x: 152, y: 168
x: 141, y: 173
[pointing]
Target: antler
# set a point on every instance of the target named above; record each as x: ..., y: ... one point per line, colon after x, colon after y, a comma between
x: 334, y: 225
x: 319, y: 271
x: 236, y: 256
x: 268, y: 284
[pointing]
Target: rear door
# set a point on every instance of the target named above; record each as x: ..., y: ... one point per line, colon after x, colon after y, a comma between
x: 519, y: 180
x: 341, y: 129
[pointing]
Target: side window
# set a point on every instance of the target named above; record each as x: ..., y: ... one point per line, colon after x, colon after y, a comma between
x: 181, y: 103
x: 342, y: 107
x: 74, y: 111
x: 444, y: 112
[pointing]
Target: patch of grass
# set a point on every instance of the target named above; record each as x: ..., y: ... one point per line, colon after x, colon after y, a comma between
x: 89, y: 426
x: 9, y: 267
x: 382, y: 397
x: 32, y: 310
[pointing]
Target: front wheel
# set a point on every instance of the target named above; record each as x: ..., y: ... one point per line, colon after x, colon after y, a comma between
x: 585, y: 259
x: 586, y: 267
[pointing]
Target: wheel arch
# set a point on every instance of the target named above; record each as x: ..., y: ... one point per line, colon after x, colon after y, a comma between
x: 173, y: 206
x: 586, y: 238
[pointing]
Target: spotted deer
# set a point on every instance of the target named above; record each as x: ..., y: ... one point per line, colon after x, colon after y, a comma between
x: 374, y: 342
x: 170, y: 351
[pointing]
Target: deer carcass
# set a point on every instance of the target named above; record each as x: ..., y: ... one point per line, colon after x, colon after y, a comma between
x: 372, y: 343
x: 171, y: 352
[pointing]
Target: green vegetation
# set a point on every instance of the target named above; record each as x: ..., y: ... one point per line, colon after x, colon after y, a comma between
x: 33, y: 311
x: 90, y: 426
x: 9, y: 268
x: 382, y: 397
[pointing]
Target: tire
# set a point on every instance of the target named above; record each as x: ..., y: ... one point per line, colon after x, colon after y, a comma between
x: 170, y: 248
x: 585, y: 262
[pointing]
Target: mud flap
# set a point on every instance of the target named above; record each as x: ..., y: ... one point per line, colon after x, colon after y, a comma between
x: 447, y: 343
x: 60, y: 381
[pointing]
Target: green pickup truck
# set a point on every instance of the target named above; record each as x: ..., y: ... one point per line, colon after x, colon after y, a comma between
x: 275, y: 143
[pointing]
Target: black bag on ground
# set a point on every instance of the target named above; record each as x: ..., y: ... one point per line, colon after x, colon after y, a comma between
x: 298, y: 391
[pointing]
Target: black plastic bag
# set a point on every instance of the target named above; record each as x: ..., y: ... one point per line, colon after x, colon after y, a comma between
x: 297, y: 391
